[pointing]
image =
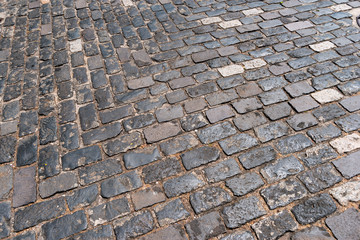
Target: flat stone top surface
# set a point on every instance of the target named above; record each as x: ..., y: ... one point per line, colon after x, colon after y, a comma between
x: 179, y: 119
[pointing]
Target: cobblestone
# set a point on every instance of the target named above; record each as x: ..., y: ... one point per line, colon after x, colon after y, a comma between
x: 313, y: 209
x: 125, y: 112
x: 283, y: 193
x: 242, y: 212
x: 274, y: 226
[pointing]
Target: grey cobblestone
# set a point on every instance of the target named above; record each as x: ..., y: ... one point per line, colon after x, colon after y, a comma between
x: 283, y: 193
x: 112, y: 107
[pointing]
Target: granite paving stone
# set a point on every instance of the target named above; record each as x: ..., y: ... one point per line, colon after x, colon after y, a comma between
x: 181, y: 119
x: 324, y: 206
x: 283, y: 193
x: 343, y: 225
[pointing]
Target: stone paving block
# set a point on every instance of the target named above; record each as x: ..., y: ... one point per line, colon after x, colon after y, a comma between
x: 238, y: 143
x: 303, y: 103
x: 320, y: 178
x: 344, y: 225
x: 199, y: 156
x: 202, y: 89
x: 278, y: 111
x: 327, y: 95
x: 283, y: 193
x: 221, y: 97
x: 328, y: 112
x: 245, y: 183
x: 183, y: 184
x: 102, y: 133
x: 247, y: 105
x: 349, y: 123
x: 7, y: 148
x: 209, y: 198
x: 219, y: 113
x: 248, y: 90
x: 299, y: 88
x: 175, y: 231
x: 319, y: 154
x: 347, y: 192
x: 82, y: 197
x: 38, y: 212
x: 99, y: 171
x: 302, y: 121
x: 319, y: 47
x: 257, y: 156
x: 242, y: 211
x: 6, y: 177
x: 59, y: 183
x: 123, y: 143
x: 65, y: 226
x: 120, y: 184
x: 347, y: 143
x: 193, y: 121
x: 294, y: 143
x: 147, y: 197
x: 351, y: 104
x: 275, y: 225
x: 171, y: 212
x: 348, y: 165
x: 298, y: 25
x: 211, y: 225
x: 101, y: 232
x: 272, y: 97
x: 24, y: 186
x: 26, y: 150
x: 161, y: 169
x: 282, y: 168
x: 231, y: 70
x: 249, y: 120
x: 216, y: 132
x: 222, y: 170
x: 162, y: 131
x: 313, y: 209
x: 271, y: 131
x: 141, y: 157
x: 324, y: 133
x: 246, y: 235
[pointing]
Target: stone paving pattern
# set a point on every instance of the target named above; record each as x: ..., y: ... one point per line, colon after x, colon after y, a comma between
x: 179, y: 119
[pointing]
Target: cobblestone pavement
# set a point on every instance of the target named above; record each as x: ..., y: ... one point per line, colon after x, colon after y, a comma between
x: 179, y: 119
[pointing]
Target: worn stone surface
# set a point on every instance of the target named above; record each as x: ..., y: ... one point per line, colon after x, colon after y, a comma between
x: 141, y: 157
x: 133, y: 226
x: 171, y: 212
x: 275, y: 225
x: 209, y: 198
x: 282, y: 168
x: 120, y: 184
x: 344, y: 225
x: 169, y: 109
x: 245, y: 183
x: 109, y: 211
x: 60, y: 183
x: 242, y: 212
x: 283, y: 193
x: 348, y: 166
x: 320, y: 178
x: 314, y: 208
x: 347, y: 192
x: 205, y: 227
x: 38, y: 212
x: 183, y: 184
x: 65, y: 226
x: 24, y: 186
x: 199, y: 156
